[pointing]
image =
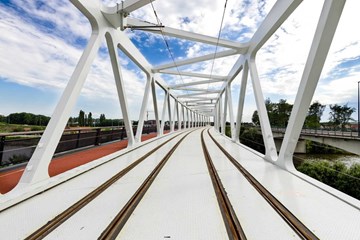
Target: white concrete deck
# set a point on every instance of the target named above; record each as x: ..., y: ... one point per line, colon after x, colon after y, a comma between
x: 327, y: 216
x: 181, y: 203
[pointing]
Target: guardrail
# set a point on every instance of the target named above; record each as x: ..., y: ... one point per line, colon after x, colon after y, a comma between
x: 18, y: 147
x: 346, y: 133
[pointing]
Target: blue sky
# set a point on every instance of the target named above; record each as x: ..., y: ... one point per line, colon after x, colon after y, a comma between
x: 41, y: 42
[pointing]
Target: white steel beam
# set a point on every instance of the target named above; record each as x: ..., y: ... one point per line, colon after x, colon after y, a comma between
x: 270, y: 149
x: 169, y: 110
x: 172, y: 32
x: 241, y: 101
x: 221, y: 115
x: 112, y: 42
x: 172, y: 126
x: 197, y: 90
x: 184, y: 116
x: 231, y: 111
x: 324, y: 34
x: 223, y: 130
x: 127, y: 6
x: 187, y: 118
x: 180, y: 86
x: 132, y: 52
x: 178, y: 114
x: 206, y: 100
x: 281, y: 10
x: 37, y: 168
x: 143, y: 109
x: 163, y: 113
x: 192, y: 74
x: 156, y: 111
x: 197, y: 94
x: 233, y: 73
x: 210, y: 56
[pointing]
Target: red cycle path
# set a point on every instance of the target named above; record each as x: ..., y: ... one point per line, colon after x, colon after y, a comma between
x: 9, y: 179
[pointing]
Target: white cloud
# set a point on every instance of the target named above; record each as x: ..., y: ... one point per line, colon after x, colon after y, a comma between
x: 51, y: 45
x: 46, y: 61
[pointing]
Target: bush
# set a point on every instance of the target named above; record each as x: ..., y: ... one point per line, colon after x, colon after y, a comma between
x: 336, y: 175
x: 251, y: 138
x: 18, y: 129
x: 16, y: 159
x: 37, y: 128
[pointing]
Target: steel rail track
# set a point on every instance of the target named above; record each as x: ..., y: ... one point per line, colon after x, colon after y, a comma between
x: 300, y: 229
x: 62, y: 217
x: 114, y: 228
x: 231, y: 221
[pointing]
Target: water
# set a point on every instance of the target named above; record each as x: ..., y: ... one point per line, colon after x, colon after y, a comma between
x: 348, y: 160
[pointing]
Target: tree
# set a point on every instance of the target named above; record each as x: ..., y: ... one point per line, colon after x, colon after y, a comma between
x: 282, y: 111
x: 314, y: 115
x: 81, y: 119
x: 90, y: 119
x: 3, y: 118
x: 28, y: 118
x: 102, y: 120
x: 255, y: 118
x: 279, y: 113
x: 340, y: 115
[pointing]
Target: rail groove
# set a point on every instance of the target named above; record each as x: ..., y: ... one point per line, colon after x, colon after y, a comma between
x: 232, y: 223
x: 50, y: 226
x: 114, y: 228
x: 301, y: 230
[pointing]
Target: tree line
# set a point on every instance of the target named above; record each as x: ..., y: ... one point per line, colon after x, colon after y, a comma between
x: 279, y: 114
x: 25, y: 118
x: 82, y: 120
x: 87, y: 120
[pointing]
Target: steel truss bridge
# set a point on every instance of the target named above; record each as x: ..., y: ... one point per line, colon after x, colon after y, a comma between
x: 193, y: 183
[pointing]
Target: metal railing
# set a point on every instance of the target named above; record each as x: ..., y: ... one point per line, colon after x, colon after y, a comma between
x: 346, y: 133
x: 18, y: 147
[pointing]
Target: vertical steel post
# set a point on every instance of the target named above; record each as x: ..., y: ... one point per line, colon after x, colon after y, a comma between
x: 2, y: 147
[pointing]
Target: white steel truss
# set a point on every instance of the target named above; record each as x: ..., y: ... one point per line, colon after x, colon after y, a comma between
x: 196, y: 107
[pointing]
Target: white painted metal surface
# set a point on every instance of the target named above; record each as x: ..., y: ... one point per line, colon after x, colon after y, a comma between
x: 22, y: 219
x: 181, y: 202
x: 313, y: 203
x: 325, y: 214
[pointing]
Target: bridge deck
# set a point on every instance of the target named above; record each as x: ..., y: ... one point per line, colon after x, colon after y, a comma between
x: 181, y: 202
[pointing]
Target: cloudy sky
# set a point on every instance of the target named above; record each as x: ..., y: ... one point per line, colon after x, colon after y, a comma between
x: 41, y: 42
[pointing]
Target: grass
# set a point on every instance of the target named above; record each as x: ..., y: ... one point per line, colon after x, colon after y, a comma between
x: 9, y: 128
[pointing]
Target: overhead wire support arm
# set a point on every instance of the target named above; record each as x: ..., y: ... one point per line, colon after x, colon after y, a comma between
x: 146, y: 26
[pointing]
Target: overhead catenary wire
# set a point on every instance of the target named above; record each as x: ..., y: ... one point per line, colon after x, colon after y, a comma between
x: 166, y: 43
x: 217, y: 43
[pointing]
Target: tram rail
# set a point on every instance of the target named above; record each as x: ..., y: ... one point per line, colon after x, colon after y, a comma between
x: 299, y: 228
x: 50, y: 226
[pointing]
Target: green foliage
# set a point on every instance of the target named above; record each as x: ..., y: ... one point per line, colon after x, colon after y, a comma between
x: 3, y: 119
x: 255, y: 118
x: 90, y: 119
x: 102, y: 120
x: 37, y: 128
x: 18, y: 129
x: 15, y: 159
x: 336, y: 175
x: 319, y: 148
x: 228, y: 131
x: 340, y: 115
x: 279, y: 113
x: 28, y: 118
x: 81, y: 118
x: 252, y: 138
x: 314, y: 115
